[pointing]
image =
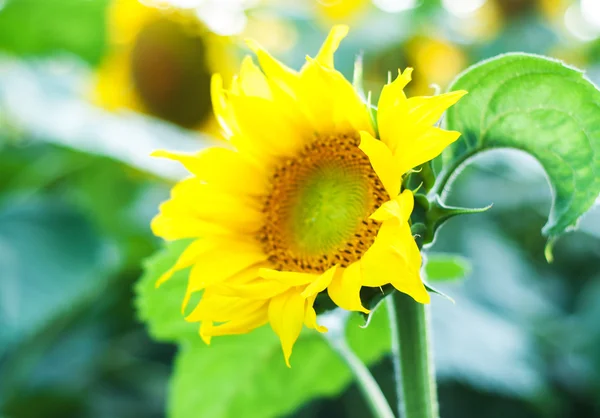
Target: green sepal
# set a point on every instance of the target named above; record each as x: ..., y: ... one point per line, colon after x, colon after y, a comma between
x: 373, y: 297
x: 439, y: 213
x: 431, y: 289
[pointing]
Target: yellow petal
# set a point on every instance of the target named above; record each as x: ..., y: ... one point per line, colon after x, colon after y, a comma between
x: 425, y: 148
x: 424, y: 112
x: 252, y: 81
x: 257, y: 289
x: 331, y: 44
x: 399, y: 207
x: 344, y: 289
x: 286, y: 315
x: 208, y: 203
x: 330, y: 102
x: 394, y: 258
x: 289, y: 278
x: 320, y: 283
x: 412, y: 285
x: 222, y: 262
x: 267, y: 125
x: 310, y: 316
x: 284, y: 77
x: 205, y: 329
x: 396, y: 235
x: 392, y: 95
x: 240, y: 325
x: 221, y: 108
x: 189, y: 256
x: 223, y: 168
x: 383, y: 163
x: 411, y: 118
x: 218, y: 308
x: 173, y: 226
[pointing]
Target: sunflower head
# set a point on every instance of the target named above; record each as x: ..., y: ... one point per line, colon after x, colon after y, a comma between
x: 340, y: 10
x: 160, y: 62
x: 308, y: 201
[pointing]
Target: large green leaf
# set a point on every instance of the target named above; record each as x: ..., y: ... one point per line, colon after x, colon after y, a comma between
x: 245, y: 376
x: 42, y: 27
x: 540, y: 106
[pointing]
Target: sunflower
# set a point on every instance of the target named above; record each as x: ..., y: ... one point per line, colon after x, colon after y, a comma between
x: 307, y: 201
x: 160, y: 62
x: 340, y: 10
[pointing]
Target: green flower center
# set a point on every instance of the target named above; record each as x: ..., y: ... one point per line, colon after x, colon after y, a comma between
x: 317, y: 213
x: 170, y: 73
x: 329, y: 206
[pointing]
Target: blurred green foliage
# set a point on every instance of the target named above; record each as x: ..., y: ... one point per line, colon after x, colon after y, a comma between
x: 47, y: 27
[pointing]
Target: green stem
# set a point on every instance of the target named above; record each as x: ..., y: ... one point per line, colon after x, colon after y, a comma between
x: 412, y: 354
x: 447, y: 176
x: 366, y: 382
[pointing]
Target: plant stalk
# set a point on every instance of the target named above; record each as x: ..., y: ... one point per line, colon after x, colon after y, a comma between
x: 412, y: 355
x: 367, y: 384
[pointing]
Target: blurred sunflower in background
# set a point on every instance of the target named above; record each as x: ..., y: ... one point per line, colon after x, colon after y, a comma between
x: 481, y: 21
x: 438, y: 61
x: 320, y: 207
x: 341, y: 10
x: 159, y: 62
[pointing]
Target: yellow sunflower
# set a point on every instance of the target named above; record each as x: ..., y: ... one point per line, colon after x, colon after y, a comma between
x: 340, y: 10
x: 160, y: 62
x: 308, y: 201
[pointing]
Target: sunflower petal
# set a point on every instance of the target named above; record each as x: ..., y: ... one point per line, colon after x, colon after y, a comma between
x: 257, y: 289
x: 395, y: 258
x: 290, y: 278
x: 341, y: 109
x: 283, y: 76
x: 240, y: 325
x: 252, y: 81
x: 223, y: 168
x: 344, y: 289
x: 189, y: 256
x: 286, y: 315
x: 320, y: 284
x: 221, y: 108
x: 268, y: 126
x: 392, y: 95
x: 310, y: 316
x: 331, y: 44
x: 383, y: 163
x: 425, y: 111
x: 399, y: 207
x: 425, y: 148
x: 222, y: 262
x: 218, y: 308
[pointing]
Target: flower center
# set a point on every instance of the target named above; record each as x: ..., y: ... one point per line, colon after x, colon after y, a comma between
x: 317, y: 211
x: 170, y: 73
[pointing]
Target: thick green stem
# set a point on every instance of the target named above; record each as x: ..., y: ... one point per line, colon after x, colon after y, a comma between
x: 413, y: 361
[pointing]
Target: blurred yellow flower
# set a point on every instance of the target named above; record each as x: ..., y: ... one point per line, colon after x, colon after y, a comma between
x: 160, y: 62
x: 308, y: 201
x: 341, y: 10
x: 438, y: 62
